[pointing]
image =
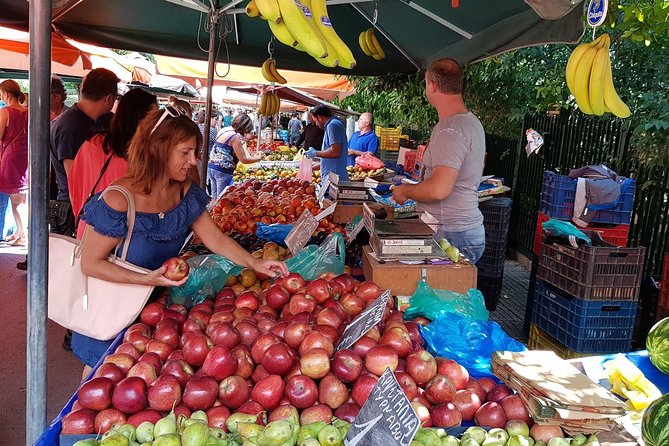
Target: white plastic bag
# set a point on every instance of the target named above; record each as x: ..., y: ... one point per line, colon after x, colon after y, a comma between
x: 306, y: 170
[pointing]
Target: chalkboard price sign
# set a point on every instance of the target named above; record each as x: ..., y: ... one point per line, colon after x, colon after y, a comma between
x: 364, y: 322
x: 386, y: 418
x: 302, y: 231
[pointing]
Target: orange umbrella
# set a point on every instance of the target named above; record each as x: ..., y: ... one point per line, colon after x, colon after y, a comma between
x: 61, y: 51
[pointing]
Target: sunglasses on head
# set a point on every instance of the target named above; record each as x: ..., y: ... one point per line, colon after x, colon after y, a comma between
x: 170, y: 110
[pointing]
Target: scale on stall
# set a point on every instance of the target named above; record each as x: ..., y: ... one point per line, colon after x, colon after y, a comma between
x: 348, y: 190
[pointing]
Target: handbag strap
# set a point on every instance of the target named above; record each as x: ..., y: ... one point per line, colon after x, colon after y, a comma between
x: 95, y: 186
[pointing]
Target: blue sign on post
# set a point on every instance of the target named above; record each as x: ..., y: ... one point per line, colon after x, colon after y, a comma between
x: 596, y: 13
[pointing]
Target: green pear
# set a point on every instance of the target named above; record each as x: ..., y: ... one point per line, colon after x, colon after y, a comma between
x: 231, y: 422
x: 578, y: 440
x: 309, y: 442
x: 275, y: 433
x: 310, y: 430
x: 212, y: 441
x: 147, y: 443
x: 116, y: 439
x: 166, y: 425
x: 128, y: 430
x: 499, y: 434
x: 491, y: 442
x: 592, y: 441
x: 478, y: 434
x: 559, y: 441
x: 468, y: 441
x: 444, y: 244
x: 250, y: 430
x: 329, y: 436
x: 217, y: 433
x: 87, y: 442
x: 144, y: 432
x: 517, y: 427
x: 416, y: 443
x: 453, y: 253
x: 196, y: 434
x: 520, y: 440
x: 200, y: 415
x: 428, y: 437
x: 450, y: 440
x: 540, y: 443
x: 167, y: 440
x: 440, y: 431
x: 134, y: 443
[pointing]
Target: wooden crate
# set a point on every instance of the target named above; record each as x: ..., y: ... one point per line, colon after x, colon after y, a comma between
x: 402, y: 279
x: 346, y: 211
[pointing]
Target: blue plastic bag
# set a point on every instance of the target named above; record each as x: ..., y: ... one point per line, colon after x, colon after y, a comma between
x: 315, y: 260
x: 275, y: 233
x: 467, y: 341
x: 431, y: 303
x: 208, y: 274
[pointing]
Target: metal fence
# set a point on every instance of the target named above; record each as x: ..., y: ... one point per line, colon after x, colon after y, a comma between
x: 572, y: 141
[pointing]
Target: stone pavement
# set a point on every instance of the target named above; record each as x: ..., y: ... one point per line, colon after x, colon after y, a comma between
x: 510, y: 313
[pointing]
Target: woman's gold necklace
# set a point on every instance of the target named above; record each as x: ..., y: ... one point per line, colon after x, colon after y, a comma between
x: 161, y: 214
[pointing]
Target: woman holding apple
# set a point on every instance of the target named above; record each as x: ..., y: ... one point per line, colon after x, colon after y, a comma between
x: 168, y: 207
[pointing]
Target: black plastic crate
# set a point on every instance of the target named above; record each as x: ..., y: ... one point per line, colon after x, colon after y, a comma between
x: 585, y: 326
x: 389, y: 156
x: 496, y: 216
x: 491, y: 263
x: 491, y: 288
x: 599, y: 272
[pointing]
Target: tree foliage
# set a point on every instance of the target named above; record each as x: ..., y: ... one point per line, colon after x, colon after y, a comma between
x: 501, y: 90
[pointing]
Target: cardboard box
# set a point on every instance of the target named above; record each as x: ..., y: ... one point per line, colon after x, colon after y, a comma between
x: 346, y: 211
x: 420, y: 152
x: 402, y: 279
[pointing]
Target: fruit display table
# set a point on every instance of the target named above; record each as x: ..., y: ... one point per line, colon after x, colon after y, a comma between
x: 402, y: 279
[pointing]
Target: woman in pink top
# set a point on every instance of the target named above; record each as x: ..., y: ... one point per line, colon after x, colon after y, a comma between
x: 14, y: 155
x: 102, y: 159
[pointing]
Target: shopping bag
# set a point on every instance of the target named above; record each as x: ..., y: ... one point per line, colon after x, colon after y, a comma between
x: 367, y: 161
x: 315, y: 260
x: 306, y: 170
x: 276, y: 232
x: 208, y: 274
x: 432, y: 303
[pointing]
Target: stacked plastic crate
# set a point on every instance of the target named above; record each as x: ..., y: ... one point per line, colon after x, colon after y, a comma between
x: 663, y: 301
x: 496, y: 220
x: 585, y: 299
x: 389, y: 144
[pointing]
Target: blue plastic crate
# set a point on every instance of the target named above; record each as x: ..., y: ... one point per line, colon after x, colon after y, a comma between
x: 584, y: 326
x: 557, y: 200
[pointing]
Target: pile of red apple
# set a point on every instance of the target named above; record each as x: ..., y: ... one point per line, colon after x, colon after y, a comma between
x: 275, y: 201
x: 264, y: 353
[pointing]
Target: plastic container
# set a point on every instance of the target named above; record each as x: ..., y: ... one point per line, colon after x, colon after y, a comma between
x: 598, y: 272
x: 559, y: 191
x: 389, y: 138
x: 496, y: 218
x: 491, y: 263
x: 491, y: 288
x: 584, y: 326
x: 540, y: 340
x: 388, y: 157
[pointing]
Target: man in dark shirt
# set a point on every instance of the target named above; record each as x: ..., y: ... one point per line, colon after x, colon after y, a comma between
x: 70, y: 131
x: 312, y: 136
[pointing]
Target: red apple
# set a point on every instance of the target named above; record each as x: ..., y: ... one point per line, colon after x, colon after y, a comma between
x: 347, y: 365
x: 153, y: 359
x: 368, y: 291
x: 301, y: 303
x: 487, y: 383
x: 150, y: 415
x: 248, y: 332
x: 407, y: 384
x: 138, y: 340
x: 226, y: 335
x: 175, y: 268
x: 247, y: 299
x: 130, y: 395
x: 331, y: 333
x: 196, y: 348
x: 422, y: 366
x: 515, y: 409
x: 277, y: 297
x: 347, y: 412
x: 319, y: 290
x: 362, y: 388
x: 301, y: 391
x: 278, y: 359
x: 332, y: 392
x: 352, y: 304
x: 261, y: 345
x: 193, y: 325
x: 145, y: 371
x: 468, y: 402
x: 283, y: 412
x: 379, y: 358
x: 219, y: 363
x: 456, y: 373
x: 245, y: 364
x: 279, y: 329
x: 268, y: 392
x: 315, y: 363
x: 217, y: 416
x: 161, y: 348
x: 178, y: 368
x: 233, y: 391
x: 182, y: 409
x: 200, y: 393
x: 111, y: 371
x: 314, y: 340
x: 475, y: 387
x: 445, y: 415
x: 96, y: 394
x: 329, y: 316
x: 106, y: 418
x: 122, y: 360
x: 164, y: 393
x: 295, y: 333
x: 80, y: 421
x: 423, y: 414
x: 490, y: 414
x: 316, y: 413
x: 293, y: 282
x: 498, y: 393
x: 439, y: 390
x: 414, y: 332
x: 129, y: 349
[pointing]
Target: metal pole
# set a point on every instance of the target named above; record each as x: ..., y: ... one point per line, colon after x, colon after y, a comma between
x: 38, y: 140
x: 213, y: 47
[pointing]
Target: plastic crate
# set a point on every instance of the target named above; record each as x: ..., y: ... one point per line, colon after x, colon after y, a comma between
x: 388, y: 157
x: 491, y: 288
x: 663, y: 300
x: 540, y: 340
x: 557, y: 200
x: 496, y: 218
x: 491, y: 263
x: 584, y: 326
x: 614, y: 234
x: 598, y: 272
x: 389, y: 138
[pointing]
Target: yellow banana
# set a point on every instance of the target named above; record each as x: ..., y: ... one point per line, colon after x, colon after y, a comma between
x: 269, y: 9
x: 324, y: 26
x: 362, y: 41
x: 597, y: 78
x: 378, y: 51
x: 277, y: 104
x: 274, y: 108
x: 572, y: 63
x: 282, y: 34
x: 582, y: 80
x: 611, y: 98
x: 302, y: 30
x: 262, y: 110
x: 266, y: 73
x: 252, y: 9
x: 275, y: 74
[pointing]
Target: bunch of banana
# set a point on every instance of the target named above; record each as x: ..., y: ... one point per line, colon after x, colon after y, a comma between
x: 269, y: 104
x: 370, y: 44
x: 305, y: 26
x: 269, y: 72
x: 590, y: 79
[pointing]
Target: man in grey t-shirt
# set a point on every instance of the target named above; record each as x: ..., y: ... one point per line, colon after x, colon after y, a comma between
x: 453, y: 163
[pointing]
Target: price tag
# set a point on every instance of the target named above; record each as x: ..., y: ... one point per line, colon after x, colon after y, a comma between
x: 597, y: 10
x: 387, y: 417
x: 334, y: 178
x: 298, y: 237
x: 368, y: 218
x: 327, y: 211
x: 364, y: 322
x: 356, y: 230
x: 325, y: 185
x: 370, y: 182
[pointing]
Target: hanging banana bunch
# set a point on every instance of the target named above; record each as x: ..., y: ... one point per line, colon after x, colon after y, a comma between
x: 269, y: 104
x: 270, y: 73
x: 370, y: 44
x: 590, y: 79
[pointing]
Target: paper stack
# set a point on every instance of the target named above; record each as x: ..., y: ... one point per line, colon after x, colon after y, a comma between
x: 556, y: 392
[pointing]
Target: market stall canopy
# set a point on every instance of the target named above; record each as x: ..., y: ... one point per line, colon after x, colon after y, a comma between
x: 412, y: 32
x: 324, y: 86
x: 62, y: 52
x: 294, y: 95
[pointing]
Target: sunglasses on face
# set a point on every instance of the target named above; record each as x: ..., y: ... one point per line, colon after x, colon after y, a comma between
x: 170, y: 110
